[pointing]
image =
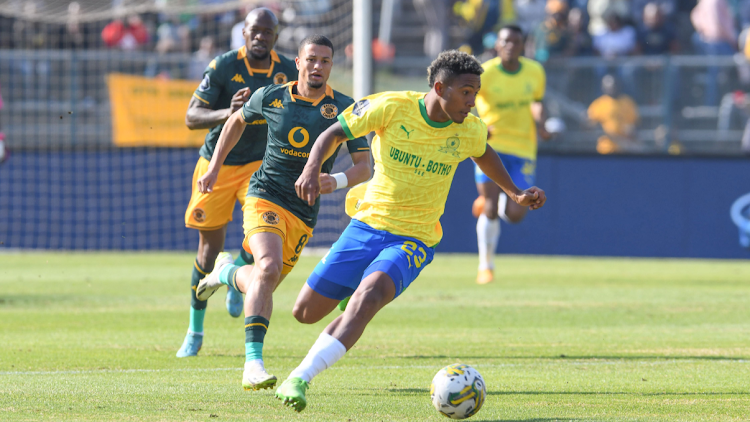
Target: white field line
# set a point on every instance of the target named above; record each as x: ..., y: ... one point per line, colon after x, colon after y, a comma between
x: 365, y: 367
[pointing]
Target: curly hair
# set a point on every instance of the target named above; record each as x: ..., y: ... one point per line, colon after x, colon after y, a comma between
x: 450, y: 64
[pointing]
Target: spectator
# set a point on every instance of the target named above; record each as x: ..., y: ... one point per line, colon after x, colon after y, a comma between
x: 618, y: 115
x: 655, y: 36
x: 579, y: 39
x: 715, y: 34
x: 127, y: 36
x: 201, y: 58
x: 667, y: 8
x: 618, y: 39
x: 597, y: 10
x: 550, y: 38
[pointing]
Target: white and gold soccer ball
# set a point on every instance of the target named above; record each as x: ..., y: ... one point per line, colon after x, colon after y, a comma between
x: 458, y: 391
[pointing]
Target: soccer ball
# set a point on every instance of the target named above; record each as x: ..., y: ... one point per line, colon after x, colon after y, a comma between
x: 458, y: 391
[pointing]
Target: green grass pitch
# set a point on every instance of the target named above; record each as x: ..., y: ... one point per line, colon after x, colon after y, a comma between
x: 92, y: 337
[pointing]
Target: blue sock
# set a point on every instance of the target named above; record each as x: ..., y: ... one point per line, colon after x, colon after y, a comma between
x: 255, y: 332
x: 228, y: 274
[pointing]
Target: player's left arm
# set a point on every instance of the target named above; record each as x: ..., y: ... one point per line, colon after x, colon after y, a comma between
x: 493, y: 167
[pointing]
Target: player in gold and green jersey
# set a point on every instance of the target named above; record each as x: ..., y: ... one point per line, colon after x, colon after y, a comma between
x: 420, y: 140
x: 227, y: 83
x: 277, y: 223
x: 510, y: 103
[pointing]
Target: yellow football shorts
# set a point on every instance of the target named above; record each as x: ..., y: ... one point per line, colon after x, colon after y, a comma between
x: 265, y: 216
x: 211, y: 211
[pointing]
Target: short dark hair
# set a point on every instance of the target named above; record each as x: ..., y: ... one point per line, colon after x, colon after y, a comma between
x: 511, y: 27
x: 317, y: 40
x: 450, y: 64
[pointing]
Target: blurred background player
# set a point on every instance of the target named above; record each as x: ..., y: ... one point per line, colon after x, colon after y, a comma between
x: 510, y: 103
x: 421, y: 139
x: 227, y: 83
x: 617, y: 114
x: 277, y: 223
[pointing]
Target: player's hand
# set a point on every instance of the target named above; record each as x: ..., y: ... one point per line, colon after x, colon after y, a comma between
x: 327, y: 183
x: 308, y: 186
x: 533, y: 197
x: 205, y: 183
x: 239, y: 99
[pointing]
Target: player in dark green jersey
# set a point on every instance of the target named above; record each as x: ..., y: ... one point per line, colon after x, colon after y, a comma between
x: 228, y: 82
x: 277, y: 223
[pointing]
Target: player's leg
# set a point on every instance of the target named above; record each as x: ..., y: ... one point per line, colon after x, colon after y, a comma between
x: 209, y: 214
x: 390, y: 273
x: 241, y: 178
x: 488, y: 224
x: 375, y: 291
x: 338, y: 273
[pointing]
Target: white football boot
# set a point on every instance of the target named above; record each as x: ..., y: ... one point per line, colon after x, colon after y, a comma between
x: 211, y: 282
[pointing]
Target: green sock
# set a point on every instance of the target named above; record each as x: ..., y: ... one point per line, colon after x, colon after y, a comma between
x: 196, y: 320
x: 197, y: 307
x: 228, y: 274
x: 255, y: 331
x: 253, y: 350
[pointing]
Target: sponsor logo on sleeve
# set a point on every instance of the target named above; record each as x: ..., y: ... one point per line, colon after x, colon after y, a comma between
x: 360, y: 107
x: 205, y: 84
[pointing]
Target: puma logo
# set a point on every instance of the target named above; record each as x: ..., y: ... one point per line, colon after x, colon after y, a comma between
x: 407, y: 132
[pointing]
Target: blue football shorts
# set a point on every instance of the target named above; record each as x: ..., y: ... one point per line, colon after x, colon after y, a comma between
x: 362, y: 250
x: 521, y: 170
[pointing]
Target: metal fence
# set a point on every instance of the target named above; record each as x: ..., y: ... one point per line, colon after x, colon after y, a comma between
x: 58, y: 99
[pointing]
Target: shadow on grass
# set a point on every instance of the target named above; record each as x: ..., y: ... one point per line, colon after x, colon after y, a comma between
x: 534, y: 420
x: 425, y: 391
x: 613, y: 393
x: 583, y: 358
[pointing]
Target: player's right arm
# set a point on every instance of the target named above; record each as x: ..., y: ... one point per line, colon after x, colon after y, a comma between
x: 366, y: 115
x: 201, y: 113
x: 229, y: 136
x: 201, y: 116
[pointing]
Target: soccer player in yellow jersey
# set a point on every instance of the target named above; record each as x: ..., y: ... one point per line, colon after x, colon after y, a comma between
x: 510, y: 104
x: 420, y: 140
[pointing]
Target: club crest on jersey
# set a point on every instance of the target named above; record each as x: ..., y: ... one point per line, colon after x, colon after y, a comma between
x: 451, y: 145
x: 199, y: 215
x: 360, y: 107
x: 329, y: 111
x: 205, y: 84
x: 271, y: 218
x: 280, y: 78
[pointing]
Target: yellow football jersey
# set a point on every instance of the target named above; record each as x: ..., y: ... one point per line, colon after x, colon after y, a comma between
x: 504, y: 103
x: 415, y: 160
